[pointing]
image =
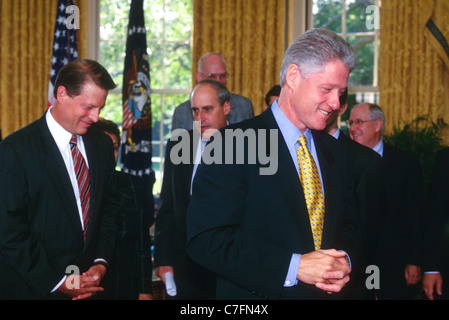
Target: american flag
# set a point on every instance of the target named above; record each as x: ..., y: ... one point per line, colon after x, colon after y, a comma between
x: 64, y: 46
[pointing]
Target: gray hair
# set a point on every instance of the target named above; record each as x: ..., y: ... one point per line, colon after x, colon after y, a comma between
x: 314, y: 50
x: 376, y: 112
x: 223, y: 93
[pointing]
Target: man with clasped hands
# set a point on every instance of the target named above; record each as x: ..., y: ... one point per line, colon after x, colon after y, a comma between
x: 253, y: 230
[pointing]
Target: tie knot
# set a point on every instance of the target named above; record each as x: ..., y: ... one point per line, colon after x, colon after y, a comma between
x: 73, y: 140
x: 303, y: 141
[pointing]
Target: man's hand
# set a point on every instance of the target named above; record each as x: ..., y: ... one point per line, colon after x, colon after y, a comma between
x: 412, y: 274
x: 161, y: 271
x: 328, y: 270
x: 89, y: 283
x: 431, y: 282
x: 146, y: 296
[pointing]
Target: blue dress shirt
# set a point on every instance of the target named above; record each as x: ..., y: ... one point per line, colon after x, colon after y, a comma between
x: 291, y: 135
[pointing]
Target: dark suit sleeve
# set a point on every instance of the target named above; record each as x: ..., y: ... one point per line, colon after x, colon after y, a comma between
x: 414, y: 186
x: 108, y: 228
x: 215, y: 222
x: 165, y: 220
x: 436, y: 234
x: 370, y: 198
x: 18, y: 244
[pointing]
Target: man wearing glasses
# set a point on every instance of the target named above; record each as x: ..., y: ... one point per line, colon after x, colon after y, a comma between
x: 400, y: 238
x: 213, y: 66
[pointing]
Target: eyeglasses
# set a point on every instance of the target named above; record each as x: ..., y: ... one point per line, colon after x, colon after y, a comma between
x: 216, y: 76
x: 358, y: 122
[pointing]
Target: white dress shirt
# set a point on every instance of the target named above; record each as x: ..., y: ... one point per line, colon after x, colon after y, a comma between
x: 62, y: 138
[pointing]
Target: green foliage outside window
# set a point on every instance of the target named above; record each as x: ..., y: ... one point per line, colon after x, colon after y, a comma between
x: 169, y: 32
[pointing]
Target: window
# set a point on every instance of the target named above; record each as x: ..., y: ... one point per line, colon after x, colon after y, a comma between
x: 169, y: 30
x: 357, y: 22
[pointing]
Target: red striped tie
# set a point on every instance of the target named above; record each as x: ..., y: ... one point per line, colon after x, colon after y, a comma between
x: 82, y: 176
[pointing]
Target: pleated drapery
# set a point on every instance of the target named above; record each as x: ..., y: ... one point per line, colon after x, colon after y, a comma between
x: 26, y: 37
x: 250, y: 34
x: 413, y: 77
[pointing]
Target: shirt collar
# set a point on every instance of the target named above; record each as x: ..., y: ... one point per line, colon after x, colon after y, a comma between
x: 60, y: 135
x: 336, y: 134
x: 289, y: 131
x: 379, y: 147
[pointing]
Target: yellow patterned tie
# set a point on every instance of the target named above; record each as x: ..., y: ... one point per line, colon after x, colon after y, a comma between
x: 311, y: 184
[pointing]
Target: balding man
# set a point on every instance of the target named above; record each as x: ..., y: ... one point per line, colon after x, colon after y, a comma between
x: 210, y: 106
x: 213, y: 66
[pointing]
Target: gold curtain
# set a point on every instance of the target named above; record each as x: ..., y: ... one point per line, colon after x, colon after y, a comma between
x: 250, y: 34
x: 26, y: 39
x: 413, y: 77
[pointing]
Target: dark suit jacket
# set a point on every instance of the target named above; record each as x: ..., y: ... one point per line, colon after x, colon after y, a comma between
x: 40, y: 228
x: 245, y: 226
x: 401, y: 238
x: 437, y: 229
x: 192, y: 280
x: 371, y: 206
x: 370, y: 190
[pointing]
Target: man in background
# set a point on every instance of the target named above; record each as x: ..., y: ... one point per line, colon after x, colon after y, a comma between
x: 272, y: 95
x: 370, y: 194
x: 213, y: 66
x: 210, y: 102
x: 435, y: 257
x: 401, y: 236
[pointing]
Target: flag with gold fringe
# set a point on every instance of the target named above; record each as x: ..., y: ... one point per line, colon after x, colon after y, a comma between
x: 136, y: 148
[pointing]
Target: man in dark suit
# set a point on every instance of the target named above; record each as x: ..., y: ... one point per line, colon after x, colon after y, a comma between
x: 251, y: 226
x: 46, y: 232
x: 210, y: 105
x: 213, y: 66
x: 435, y: 257
x: 370, y: 194
x: 401, y: 236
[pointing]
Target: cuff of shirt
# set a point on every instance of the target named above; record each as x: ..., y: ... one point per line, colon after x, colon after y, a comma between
x: 349, y: 258
x: 59, y: 284
x: 291, y: 280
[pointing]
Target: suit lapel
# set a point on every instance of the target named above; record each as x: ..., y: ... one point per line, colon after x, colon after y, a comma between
x: 96, y: 176
x: 289, y: 183
x: 185, y: 171
x: 329, y: 176
x: 57, y: 172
